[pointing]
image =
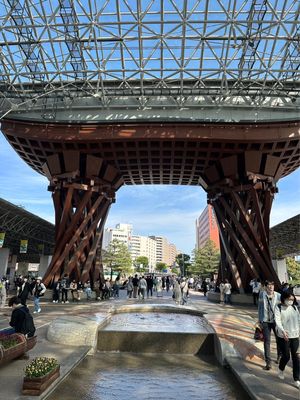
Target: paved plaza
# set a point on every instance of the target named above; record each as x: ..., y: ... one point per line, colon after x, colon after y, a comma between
x: 233, y: 325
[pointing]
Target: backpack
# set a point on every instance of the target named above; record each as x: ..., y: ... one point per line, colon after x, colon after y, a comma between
x: 28, y: 327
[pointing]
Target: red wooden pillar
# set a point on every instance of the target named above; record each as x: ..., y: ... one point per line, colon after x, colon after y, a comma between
x: 83, y: 189
x: 242, y: 201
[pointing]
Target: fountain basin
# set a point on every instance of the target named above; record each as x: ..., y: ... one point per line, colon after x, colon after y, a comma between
x: 157, y: 332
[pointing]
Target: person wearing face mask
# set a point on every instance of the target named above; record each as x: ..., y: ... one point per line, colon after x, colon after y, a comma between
x: 267, y: 301
x: 287, y: 320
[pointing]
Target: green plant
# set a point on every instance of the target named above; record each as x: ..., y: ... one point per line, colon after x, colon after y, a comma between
x: 8, y: 343
x: 40, y: 366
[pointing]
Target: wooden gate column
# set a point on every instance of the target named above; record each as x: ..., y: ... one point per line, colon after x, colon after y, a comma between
x: 83, y: 188
x: 241, y: 190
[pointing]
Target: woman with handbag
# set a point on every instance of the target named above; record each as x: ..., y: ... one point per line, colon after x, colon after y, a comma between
x: 287, y: 320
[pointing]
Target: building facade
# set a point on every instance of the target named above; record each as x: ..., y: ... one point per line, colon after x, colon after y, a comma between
x: 155, y: 248
x: 143, y: 246
x: 165, y: 252
x: 207, y: 228
x: 121, y: 232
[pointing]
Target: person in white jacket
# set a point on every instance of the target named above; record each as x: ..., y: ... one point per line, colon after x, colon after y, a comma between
x: 287, y: 320
x: 38, y: 290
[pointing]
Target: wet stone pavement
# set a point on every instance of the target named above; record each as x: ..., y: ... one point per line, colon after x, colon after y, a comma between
x: 113, y: 376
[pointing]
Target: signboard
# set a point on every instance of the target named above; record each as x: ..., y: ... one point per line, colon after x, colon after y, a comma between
x: 33, y: 267
x: 2, y: 236
x: 41, y: 248
x: 23, y: 246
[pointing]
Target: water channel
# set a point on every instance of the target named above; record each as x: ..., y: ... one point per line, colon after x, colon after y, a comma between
x: 125, y: 376
x: 156, y: 373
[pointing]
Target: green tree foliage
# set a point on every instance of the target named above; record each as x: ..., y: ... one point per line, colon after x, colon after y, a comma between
x: 206, y: 260
x: 141, y: 264
x: 293, y: 269
x: 183, y: 261
x: 160, y: 266
x: 117, y: 257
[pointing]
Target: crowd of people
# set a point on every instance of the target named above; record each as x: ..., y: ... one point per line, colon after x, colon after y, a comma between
x: 278, y: 312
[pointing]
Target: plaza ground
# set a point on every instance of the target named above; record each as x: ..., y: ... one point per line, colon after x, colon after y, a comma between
x: 233, y: 325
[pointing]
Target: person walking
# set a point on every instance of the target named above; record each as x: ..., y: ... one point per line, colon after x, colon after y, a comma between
x: 267, y: 301
x: 129, y: 288
x: 149, y: 281
x: 222, y: 294
x: 227, y: 292
x: 184, y: 291
x: 97, y: 289
x: 79, y: 290
x: 88, y: 290
x: 74, y: 292
x: 177, y: 295
x: 256, y: 286
x: 2, y: 294
x: 24, y: 290
x: 38, y: 291
x: 135, y: 282
x: 116, y: 286
x: 65, y: 286
x: 204, y: 287
x: 56, y: 291
x: 287, y: 319
x: 159, y: 289
x: 142, y: 287
x: 168, y: 283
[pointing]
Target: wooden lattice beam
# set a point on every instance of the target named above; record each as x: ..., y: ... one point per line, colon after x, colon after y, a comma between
x: 242, y: 201
x: 82, y: 201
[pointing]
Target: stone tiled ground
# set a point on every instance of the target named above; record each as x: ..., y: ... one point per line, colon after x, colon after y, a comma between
x: 233, y: 324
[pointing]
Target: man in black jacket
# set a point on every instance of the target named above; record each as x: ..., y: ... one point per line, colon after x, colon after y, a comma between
x: 21, y: 318
x: 24, y: 291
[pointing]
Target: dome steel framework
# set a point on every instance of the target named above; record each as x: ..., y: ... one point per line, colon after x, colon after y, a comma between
x: 95, y: 94
x: 71, y: 60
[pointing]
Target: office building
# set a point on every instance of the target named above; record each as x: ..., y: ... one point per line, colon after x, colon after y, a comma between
x: 207, y: 228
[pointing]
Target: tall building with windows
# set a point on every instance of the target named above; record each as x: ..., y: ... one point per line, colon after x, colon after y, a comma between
x: 165, y: 252
x: 173, y: 251
x: 155, y: 248
x: 121, y: 232
x: 144, y: 246
x: 207, y: 228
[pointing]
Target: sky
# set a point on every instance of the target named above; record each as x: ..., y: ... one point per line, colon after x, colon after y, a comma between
x: 161, y: 210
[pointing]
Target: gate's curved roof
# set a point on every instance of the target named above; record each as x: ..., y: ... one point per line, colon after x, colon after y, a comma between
x: 19, y: 224
x: 116, y: 60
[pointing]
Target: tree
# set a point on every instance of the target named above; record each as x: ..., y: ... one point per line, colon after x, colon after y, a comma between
x: 206, y: 260
x: 117, y: 257
x: 160, y: 266
x: 141, y: 264
x: 183, y: 261
x: 293, y: 269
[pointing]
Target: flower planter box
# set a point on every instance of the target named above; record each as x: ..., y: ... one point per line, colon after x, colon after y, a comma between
x: 24, y: 344
x: 14, y: 351
x: 36, y: 386
x: 31, y: 342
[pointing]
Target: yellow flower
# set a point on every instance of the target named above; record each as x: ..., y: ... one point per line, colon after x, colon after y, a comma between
x: 40, y: 366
